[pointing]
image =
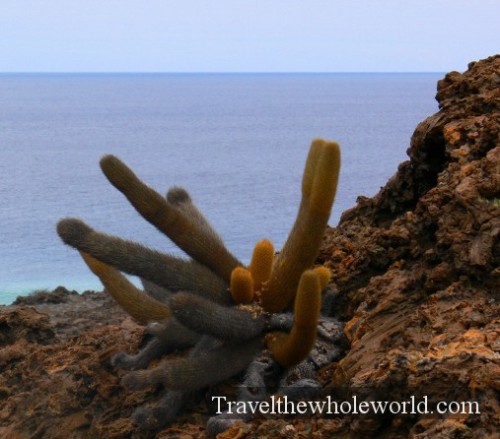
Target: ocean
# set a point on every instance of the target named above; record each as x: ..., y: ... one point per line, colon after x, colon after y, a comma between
x: 236, y: 142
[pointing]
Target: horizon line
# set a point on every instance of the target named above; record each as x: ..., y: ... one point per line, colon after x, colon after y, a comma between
x: 69, y: 72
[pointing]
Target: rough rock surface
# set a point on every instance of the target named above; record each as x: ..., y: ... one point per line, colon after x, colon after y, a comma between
x: 417, y: 269
x: 417, y: 281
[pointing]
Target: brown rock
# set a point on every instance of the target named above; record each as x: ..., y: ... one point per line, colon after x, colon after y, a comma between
x: 426, y: 320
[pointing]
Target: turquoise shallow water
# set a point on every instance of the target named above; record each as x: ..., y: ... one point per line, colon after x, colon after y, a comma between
x: 237, y: 142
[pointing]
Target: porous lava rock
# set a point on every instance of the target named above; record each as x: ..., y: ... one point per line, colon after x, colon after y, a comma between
x: 417, y: 273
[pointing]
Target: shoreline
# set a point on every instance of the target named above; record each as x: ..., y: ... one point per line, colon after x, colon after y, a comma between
x: 9, y: 297
x: 71, y: 313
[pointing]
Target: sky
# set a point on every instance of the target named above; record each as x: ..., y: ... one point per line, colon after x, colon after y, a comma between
x: 246, y: 35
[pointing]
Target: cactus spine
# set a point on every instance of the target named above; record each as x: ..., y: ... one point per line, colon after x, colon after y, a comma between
x: 140, y: 306
x: 290, y: 349
x: 319, y: 185
x: 182, y: 229
x: 172, y: 273
x: 242, y: 285
x: 192, y: 373
x: 261, y: 263
x: 324, y: 275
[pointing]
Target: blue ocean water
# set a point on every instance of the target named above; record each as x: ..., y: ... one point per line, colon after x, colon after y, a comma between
x: 237, y: 142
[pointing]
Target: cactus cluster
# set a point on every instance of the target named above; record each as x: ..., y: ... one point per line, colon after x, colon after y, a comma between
x: 211, y: 305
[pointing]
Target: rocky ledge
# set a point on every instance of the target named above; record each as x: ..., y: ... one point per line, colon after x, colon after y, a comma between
x: 416, y: 279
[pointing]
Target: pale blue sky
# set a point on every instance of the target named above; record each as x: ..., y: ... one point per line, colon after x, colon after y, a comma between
x: 246, y: 35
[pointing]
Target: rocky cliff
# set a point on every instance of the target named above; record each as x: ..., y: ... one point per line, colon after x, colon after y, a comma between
x: 417, y: 269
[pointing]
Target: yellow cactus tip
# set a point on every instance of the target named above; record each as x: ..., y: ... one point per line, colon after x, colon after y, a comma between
x: 324, y: 274
x: 264, y: 245
x: 325, y: 145
x: 262, y: 263
x: 241, y: 285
